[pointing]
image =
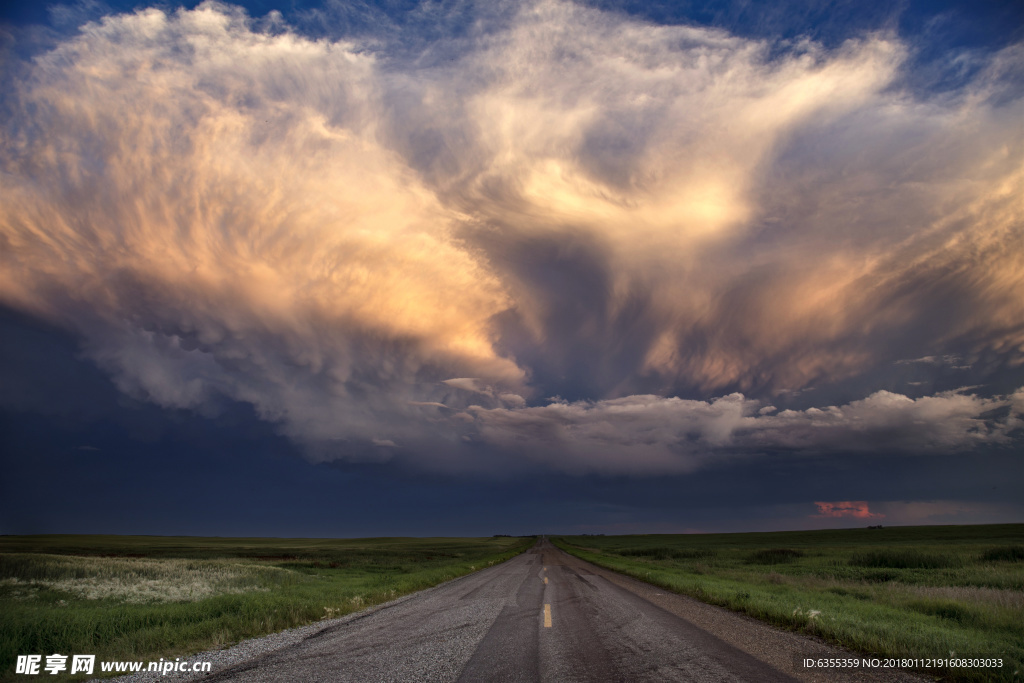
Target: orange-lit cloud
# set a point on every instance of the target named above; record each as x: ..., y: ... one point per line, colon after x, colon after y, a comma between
x: 858, y: 509
x: 211, y: 208
x: 349, y: 240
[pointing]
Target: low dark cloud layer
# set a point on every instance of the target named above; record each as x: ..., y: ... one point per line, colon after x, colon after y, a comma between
x: 552, y: 237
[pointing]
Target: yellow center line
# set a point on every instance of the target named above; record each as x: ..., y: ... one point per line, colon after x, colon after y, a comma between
x: 545, y: 580
x: 547, y: 616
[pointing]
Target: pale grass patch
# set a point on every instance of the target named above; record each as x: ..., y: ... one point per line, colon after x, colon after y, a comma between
x: 18, y: 590
x: 811, y: 615
x: 143, y: 580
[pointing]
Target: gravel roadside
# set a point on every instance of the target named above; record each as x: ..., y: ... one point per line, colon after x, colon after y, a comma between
x: 257, y: 647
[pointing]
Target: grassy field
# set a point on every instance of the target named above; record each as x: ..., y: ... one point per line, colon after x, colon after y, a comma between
x: 901, y: 591
x: 146, y: 597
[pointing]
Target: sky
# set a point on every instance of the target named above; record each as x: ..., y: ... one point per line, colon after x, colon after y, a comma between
x: 348, y: 269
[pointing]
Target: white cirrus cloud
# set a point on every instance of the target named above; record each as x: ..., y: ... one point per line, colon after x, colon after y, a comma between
x: 651, y: 434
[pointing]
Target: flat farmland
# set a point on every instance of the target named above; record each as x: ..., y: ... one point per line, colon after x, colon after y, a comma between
x: 917, y: 592
x: 139, y: 597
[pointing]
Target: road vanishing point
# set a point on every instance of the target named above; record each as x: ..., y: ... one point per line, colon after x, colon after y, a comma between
x: 545, y: 616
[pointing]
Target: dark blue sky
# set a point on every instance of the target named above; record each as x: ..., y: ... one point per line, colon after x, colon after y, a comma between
x: 80, y: 458
x: 476, y: 268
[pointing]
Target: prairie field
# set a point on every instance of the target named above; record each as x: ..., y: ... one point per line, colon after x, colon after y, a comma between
x: 918, y: 592
x: 146, y: 597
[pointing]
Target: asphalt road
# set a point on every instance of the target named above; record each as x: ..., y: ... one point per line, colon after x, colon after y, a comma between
x: 542, y: 616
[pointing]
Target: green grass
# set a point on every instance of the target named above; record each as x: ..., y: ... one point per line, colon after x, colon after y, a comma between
x: 900, y: 591
x: 146, y: 597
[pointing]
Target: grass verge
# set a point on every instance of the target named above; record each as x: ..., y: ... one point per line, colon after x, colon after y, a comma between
x: 918, y: 592
x: 141, y: 597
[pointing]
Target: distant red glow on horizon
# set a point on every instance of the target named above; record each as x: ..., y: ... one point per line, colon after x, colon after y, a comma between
x: 857, y: 509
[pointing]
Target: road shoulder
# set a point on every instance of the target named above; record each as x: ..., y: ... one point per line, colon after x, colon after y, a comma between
x: 767, y: 643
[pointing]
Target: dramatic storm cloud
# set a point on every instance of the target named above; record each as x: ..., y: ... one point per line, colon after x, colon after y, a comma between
x: 403, y: 253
